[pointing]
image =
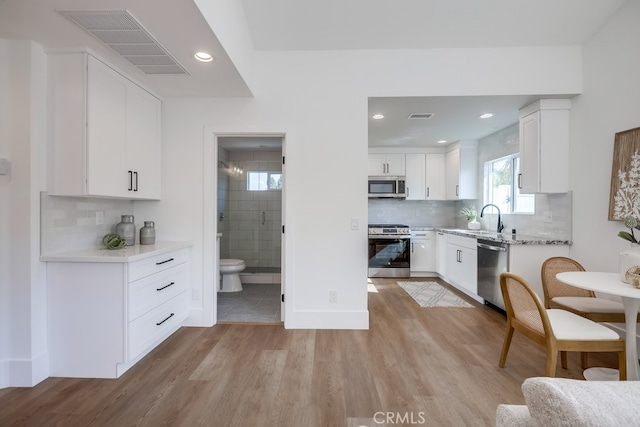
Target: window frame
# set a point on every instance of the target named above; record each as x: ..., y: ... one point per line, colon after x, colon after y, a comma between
x: 269, y: 174
x: 514, y: 193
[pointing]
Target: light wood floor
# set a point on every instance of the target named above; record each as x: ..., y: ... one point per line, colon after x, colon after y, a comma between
x: 415, y: 364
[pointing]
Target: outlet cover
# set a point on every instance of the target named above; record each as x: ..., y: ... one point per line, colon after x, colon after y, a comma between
x: 333, y: 296
x: 548, y: 216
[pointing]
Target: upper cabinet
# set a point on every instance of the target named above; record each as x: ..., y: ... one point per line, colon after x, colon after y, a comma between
x: 462, y: 171
x: 544, y: 147
x: 386, y: 164
x: 105, y: 135
x: 425, y: 176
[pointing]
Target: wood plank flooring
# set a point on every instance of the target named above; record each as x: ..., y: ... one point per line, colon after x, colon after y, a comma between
x: 414, y: 366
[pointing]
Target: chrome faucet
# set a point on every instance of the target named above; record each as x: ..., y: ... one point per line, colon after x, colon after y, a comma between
x: 500, y: 226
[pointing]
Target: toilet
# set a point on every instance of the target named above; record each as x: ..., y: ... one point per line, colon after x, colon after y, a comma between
x: 230, y: 270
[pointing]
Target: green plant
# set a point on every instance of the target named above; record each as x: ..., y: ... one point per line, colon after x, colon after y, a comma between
x: 469, y: 213
x: 113, y: 241
x: 630, y: 222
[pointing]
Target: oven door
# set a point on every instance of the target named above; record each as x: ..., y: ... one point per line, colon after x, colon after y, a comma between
x: 389, y: 256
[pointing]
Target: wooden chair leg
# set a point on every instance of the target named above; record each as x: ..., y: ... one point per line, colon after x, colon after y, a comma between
x: 622, y: 365
x: 563, y: 359
x: 584, y: 363
x: 552, y: 361
x: 506, y: 345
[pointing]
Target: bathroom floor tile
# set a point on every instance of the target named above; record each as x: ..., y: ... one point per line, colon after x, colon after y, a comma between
x: 256, y: 303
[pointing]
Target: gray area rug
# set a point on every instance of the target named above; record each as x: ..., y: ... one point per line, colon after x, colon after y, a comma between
x: 431, y: 294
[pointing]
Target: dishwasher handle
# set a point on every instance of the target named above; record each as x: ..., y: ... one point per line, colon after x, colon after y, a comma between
x: 492, y: 248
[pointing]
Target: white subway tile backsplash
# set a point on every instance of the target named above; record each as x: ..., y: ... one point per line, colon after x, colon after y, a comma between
x: 69, y: 223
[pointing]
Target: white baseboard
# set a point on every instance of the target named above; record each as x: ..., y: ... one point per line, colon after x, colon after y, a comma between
x: 328, y: 320
x: 24, y: 373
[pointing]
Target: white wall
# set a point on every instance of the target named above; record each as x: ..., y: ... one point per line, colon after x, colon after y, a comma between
x: 23, y: 359
x: 610, y: 104
x: 319, y: 100
x: 5, y: 225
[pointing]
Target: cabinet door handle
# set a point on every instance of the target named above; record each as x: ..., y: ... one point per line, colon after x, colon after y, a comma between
x: 164, y: 262
x: 130, y: 180
x: 427, y: 191
x: 136, y: 175
x: 407, y: 191
x: 166, y: 286
x: 457, y: 191
x: 458, y: 255
x: 519, y: 180
x: 411, y: 247
x: 168, y: 317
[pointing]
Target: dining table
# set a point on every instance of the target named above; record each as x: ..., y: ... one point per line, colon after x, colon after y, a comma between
x: 612, y: 284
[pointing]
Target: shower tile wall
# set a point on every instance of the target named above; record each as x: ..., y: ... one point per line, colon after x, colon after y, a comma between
x: 223, y: 205
x: 254, y: 218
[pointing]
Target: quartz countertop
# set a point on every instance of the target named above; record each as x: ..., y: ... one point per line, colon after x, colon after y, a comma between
x: 126, y: 254
x: 508, y: 238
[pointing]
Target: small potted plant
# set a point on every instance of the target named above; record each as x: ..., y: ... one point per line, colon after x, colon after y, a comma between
x: 470, y: 214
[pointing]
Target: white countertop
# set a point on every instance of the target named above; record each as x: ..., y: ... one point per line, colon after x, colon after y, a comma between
x: 126, y: 254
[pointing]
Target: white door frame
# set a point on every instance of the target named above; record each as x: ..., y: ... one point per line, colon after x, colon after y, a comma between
x: 211, y: 272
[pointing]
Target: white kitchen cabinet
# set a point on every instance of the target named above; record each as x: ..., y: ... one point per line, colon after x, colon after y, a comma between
x: 386, y: 164
x: 462, y: 171
x: 415, y: 176
x: 544, y: 147
x: 425, y: 176
x: 441, y: 254
x: 435, y: 176
x: 423, y: 255
x: 105, y: 316
x: 462, y: 264
x: 105, y: 131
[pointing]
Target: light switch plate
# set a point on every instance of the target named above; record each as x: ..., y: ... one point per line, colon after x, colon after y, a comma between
x: 355, y: 223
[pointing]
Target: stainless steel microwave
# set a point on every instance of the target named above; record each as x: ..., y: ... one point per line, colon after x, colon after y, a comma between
x: 387, y: 187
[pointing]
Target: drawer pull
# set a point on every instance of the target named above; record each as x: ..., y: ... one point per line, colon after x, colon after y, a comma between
x: 169, y: 317
x: 165, y: 286
x: 164, y: 262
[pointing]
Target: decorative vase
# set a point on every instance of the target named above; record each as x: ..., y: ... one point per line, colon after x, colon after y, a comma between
x: 148, y: 233
x: 127, y: 229
x: 629, y: 259
x: 473, y: 225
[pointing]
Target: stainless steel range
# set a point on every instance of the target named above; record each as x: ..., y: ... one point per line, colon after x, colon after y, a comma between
x: 389, y: 250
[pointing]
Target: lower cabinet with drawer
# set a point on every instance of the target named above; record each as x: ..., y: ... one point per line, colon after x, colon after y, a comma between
x: 104, y: 317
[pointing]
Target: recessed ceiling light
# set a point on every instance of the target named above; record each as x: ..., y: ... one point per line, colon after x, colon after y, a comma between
x: 377, y: 116
x: 203, y: 57
x: 442, y: 141
x: 486, y: 115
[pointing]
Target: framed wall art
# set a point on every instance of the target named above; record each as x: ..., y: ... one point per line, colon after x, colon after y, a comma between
x: 624, y: 199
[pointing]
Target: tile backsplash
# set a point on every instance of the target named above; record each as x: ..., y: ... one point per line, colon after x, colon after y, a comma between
x: 69, y: 223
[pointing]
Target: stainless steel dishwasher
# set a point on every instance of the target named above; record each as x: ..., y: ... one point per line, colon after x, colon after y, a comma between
x: 493, y: 259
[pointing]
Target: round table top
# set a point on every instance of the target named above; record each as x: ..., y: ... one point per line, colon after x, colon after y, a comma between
x: 608, y: 283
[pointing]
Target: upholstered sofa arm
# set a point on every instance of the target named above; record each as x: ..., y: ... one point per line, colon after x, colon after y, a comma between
x: 563, y: 402
x: 513, y: 416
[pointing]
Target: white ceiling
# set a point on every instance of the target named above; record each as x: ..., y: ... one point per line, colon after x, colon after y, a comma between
x: 181, y: 29
x: 420, y: 24
x: 177, y: 25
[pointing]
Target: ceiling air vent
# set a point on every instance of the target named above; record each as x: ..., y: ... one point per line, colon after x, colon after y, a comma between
x: 423, y: 116
x: 119, y: 30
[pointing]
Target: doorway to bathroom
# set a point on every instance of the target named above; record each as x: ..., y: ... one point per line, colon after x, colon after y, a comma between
x: 249, y: 226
